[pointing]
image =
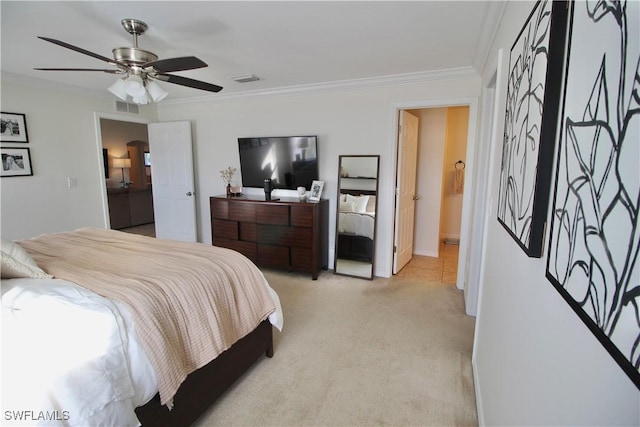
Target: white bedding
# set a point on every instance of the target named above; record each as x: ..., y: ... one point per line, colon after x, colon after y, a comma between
x: 71, y: 357
x: 360, y: 224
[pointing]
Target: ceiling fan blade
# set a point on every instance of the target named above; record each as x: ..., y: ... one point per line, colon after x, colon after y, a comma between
x: 78, y: 49
x: 176, y: 64
x: 184, y: 81
x: 81, y: 69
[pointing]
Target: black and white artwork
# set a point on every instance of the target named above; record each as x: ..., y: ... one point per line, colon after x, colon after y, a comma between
x: 15, y: 162
x: 533, y: 97
x: 595, y: 235
x: 13, y: 127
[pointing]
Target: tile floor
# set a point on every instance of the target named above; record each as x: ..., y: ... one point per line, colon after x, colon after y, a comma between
x: 443, y: 269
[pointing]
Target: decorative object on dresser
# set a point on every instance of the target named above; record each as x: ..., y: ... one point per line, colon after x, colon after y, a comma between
x: 356, y: 215
x: 286, y: 234
x: 227, y: 176
x: 16, y: 162
x: 268, y: 188
x: 13, y: 127
x: 316, y: 190
x: 302, y: 193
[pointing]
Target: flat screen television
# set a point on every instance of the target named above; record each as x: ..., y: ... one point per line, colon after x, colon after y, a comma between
x: 290, y: 161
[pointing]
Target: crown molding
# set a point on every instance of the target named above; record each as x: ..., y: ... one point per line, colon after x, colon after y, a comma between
x: 491, y: 22
x: 339, y: 85
x: 305, y: 89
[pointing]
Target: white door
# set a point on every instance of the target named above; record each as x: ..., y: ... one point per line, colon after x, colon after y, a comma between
x: 405, y: 190
x: 174, y: 203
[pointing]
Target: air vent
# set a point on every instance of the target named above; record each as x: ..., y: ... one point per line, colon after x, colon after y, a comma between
x: 246, y: 78
x: 125, y: 107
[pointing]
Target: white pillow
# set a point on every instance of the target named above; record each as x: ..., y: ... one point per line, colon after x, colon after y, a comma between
x: 347, y: 207
x: 343, y: 197
x: 16, y: 262
x: 359, y: 201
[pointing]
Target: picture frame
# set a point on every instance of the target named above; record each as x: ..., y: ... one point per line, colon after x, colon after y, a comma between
x: 13, y: 127
x: 15, y: 162
x: 316, y: 191
x: 594, y: 240
x: 531, y: 113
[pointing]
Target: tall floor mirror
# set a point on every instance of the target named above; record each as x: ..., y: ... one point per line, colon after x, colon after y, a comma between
x: 356, y: 216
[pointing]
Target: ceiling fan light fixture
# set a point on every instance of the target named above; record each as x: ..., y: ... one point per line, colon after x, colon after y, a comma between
x: 119, y: 89
x: 142, y: 99
x: 156, y: 91
x: 135, y: 86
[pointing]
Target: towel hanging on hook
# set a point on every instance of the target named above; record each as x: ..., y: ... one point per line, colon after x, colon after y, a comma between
x: 458, y: 178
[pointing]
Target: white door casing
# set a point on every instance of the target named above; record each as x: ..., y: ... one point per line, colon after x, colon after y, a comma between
x: 174, y: 201
x: 405, y: 190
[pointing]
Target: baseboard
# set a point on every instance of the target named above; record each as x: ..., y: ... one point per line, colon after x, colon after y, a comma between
x: 444, y: 237
x: 476, y: 386
x: 426, y: 253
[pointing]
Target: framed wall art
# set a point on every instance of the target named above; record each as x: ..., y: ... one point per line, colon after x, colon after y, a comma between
x: 533, y: 97
x: 13, y: 127
x: 15, y: 162
x: 594, y: 234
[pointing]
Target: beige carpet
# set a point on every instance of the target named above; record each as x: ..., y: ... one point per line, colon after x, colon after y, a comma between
x: 392, y: 352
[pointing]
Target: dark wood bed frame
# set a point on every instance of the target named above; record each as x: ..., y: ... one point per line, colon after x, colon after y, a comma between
x: 202, y: 387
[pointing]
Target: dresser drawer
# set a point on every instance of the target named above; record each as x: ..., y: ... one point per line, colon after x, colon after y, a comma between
x: 273, y: 256
x: 225, y: 229
x: 300, y: 237
x: 242, y: 212
x: 301, y: 258
x: 219, y: 209
x: 248, y: 231
x: 273, y: 214
x: 248, y: 249
x: 302, y: 216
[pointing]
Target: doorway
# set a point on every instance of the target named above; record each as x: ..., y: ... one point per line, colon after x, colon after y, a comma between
x: 445, y: 176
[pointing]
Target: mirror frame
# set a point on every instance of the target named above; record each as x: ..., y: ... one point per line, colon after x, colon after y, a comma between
x: 357, y: 192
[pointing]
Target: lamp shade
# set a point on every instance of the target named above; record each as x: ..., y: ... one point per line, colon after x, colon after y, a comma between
x: 156, y: 91
x: 122, y: 163
x: 134, y: 86
x: 119, y: 89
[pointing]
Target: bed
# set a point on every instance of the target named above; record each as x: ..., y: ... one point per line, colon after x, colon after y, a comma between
x: 356, y: 225
x: 109, y: 328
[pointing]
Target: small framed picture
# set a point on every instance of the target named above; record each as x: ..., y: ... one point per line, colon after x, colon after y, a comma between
x: 16, y: 162
x: 13, y: 127
x: 316, y: 191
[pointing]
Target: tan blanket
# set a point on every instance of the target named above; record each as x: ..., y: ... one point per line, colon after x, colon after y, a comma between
x: 189, y: 301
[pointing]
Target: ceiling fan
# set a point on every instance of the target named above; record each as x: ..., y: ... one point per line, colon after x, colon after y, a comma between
x: 140, y: 67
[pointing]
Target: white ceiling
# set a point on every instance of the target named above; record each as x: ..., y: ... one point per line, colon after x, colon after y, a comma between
x: 284, y: 43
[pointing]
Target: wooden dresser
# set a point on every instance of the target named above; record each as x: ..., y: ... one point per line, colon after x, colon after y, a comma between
x: 285, y: 234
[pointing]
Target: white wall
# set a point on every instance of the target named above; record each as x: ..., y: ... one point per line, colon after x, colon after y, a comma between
x: 535, y: 362
x: 346, y: 122
x: 457, y: 130
x: 431, y: 145
x: 62, y: 142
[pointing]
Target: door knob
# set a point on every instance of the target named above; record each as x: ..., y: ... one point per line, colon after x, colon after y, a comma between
x: 189, y: 194
x: 416, y: 197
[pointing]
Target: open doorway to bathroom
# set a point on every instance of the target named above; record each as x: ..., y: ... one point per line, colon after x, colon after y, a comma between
x: 440, y: 175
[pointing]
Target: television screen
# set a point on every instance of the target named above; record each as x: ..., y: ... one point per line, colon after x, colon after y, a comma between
x: 290, y: 161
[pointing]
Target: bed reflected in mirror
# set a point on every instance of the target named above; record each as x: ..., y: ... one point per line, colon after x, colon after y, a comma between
x: 356, y: 215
